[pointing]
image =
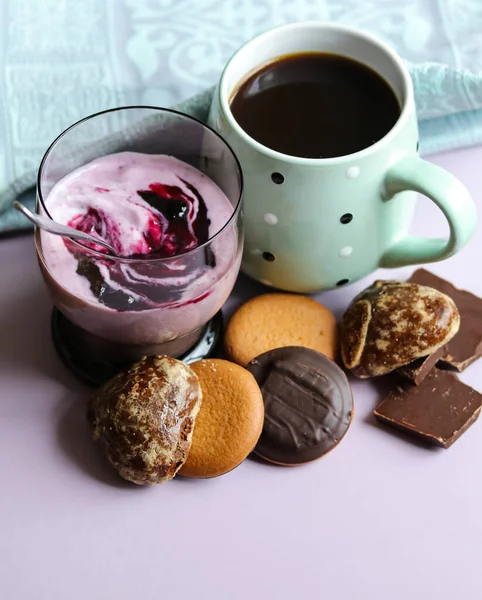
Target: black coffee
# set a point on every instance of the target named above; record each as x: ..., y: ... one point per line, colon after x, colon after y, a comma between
x: 315, y: 105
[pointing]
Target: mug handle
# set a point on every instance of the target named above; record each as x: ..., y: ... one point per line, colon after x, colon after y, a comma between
x: 448, y: 193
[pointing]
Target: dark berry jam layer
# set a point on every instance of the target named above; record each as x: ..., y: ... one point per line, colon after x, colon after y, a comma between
x: 176, y: 226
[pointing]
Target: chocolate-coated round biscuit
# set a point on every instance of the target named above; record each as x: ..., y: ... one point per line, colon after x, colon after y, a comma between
x: 308, y: 404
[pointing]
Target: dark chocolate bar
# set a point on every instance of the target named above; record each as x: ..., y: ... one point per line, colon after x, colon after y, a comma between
x: 439, y: 410
x: 417, y: 370
x: 466, y: 346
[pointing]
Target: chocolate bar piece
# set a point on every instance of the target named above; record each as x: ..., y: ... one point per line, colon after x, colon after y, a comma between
x: 417, y: 370
x: 438, y: 410
x: 466, y: 346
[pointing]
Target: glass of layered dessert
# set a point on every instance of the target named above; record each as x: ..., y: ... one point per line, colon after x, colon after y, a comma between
x: 164, y: 190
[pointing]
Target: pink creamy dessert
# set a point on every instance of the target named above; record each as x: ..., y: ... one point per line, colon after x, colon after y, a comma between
x: 158, y: 213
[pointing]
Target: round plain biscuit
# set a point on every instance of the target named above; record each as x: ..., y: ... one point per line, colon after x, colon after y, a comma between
x: 229, y: 422
x: 277, y: 320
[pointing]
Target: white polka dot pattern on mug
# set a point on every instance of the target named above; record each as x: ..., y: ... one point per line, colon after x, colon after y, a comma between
x: 353, y: 172
x: 270, y: 219
x: 345, y: 252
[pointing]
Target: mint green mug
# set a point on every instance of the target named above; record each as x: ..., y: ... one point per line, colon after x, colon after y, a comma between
x: 314, y: 224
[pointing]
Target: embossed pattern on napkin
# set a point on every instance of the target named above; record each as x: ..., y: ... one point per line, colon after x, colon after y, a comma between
x: 64, y: 60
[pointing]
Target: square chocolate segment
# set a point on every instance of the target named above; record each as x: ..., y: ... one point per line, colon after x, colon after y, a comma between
x: 438, y: 410
x: 417, y: 370
x: 466, y: 346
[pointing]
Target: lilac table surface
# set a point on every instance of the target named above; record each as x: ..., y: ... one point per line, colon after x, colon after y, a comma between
x: 381, y: 517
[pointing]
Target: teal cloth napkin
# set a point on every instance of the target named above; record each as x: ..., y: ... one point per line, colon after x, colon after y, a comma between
x: 64, y: 59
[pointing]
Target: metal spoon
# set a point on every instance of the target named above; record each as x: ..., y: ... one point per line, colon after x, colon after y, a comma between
x: 64, y: 230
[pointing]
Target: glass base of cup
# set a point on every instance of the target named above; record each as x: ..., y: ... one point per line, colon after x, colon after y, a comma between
x: 94, y: 360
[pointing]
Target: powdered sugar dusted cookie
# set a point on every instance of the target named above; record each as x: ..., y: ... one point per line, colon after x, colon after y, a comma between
x: 143, y: 418
x: 392, y: 323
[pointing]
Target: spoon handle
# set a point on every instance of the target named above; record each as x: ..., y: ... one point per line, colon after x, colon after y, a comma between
x: 63, y: 230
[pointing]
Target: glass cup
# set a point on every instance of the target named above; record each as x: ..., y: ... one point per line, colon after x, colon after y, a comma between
x: 124, y: 308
